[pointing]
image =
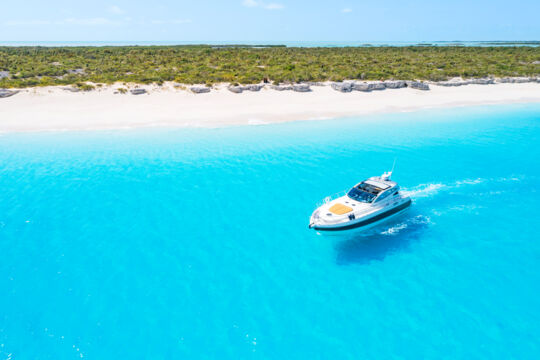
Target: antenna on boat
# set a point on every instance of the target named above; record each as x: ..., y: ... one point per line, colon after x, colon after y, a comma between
x: 387, y: 175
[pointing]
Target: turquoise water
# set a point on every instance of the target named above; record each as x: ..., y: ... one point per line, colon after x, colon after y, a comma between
x: 193, y: 244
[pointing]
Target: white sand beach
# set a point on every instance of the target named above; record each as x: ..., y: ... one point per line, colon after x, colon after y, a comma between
x: 55, y: 109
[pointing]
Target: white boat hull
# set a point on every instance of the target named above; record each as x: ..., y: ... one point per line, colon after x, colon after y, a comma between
x: 364, y: 223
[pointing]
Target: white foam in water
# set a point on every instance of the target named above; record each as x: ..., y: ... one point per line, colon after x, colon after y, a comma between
x: 424, y: 190
x: 503, y: 179
x: 417, y: 220
x: 468, y: 208
x: 394, y: 229
x: 470, y: 182
x: 429, y: 190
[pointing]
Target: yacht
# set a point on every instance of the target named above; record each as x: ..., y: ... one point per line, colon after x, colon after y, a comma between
x: 366, y: 204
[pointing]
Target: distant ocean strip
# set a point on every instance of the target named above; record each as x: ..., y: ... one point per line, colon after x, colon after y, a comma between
x: 274, y: 43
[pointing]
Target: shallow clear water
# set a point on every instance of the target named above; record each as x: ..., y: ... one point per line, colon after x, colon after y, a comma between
x: 193, y: 244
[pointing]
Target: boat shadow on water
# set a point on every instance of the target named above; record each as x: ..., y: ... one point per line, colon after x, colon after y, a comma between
x: 377, y: 243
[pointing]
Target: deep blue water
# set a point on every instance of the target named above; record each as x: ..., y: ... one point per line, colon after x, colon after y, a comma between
x: 193, y: 244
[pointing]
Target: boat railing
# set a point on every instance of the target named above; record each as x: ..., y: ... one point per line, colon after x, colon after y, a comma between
x: 330, y: 198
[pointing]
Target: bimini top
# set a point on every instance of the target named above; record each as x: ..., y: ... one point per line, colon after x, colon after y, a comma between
x: 378, y: 184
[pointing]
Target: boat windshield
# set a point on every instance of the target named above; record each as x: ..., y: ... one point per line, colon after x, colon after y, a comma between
x: 364, y: 192
x: 361, y: 195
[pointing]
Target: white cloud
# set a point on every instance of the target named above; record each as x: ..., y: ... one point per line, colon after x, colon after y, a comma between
x: 89, y: 21
x: 174, y: 21
x: 346, y: 10
x: 263, y: 5
x: 68, y: 21
x: 114, y: 9
x: 97, y: 21
x: 250, y: 3
x: 273, y: 6
x: 26, y: 22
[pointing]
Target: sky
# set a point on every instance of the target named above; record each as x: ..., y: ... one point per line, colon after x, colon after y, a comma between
x: 269, y: 20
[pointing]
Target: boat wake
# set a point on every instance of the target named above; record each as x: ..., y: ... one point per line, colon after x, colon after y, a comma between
x: 418, y: 220
x: 406, y: 223
x: 398, y: 234
x: 424, y: 190
x: 379, y: 242
x: 429, y: 190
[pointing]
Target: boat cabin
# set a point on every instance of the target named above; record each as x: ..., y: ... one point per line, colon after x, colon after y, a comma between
x: 373, y: 190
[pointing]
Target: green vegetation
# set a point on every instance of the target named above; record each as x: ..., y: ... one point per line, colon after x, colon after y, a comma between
x: 40, y: 66
x: 84, y: 86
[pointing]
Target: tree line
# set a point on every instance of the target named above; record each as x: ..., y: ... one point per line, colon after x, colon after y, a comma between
x: 41, y: 66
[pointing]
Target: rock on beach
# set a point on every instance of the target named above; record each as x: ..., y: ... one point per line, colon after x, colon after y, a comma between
x: 71, y: 89
x: 301, y: 88
x: 200, y: 89
x: 235, y: 89
x: 137, y: 91
x: 4, y: 93
x: 361, y: 86
x: 451, y: 83
x: 348, y: 86
x: 397, y: 84
x: 417, y: 85
x: 252, y: 87
x: 241, y: 88
x: 376, y: 86
x: 281, y: 87
x: 461, y: 82
x: 516, y: 80
x: 484, y: 81
x: 342, y: 86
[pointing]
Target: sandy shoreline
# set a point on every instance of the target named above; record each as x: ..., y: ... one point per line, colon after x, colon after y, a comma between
x: 55, y: 109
